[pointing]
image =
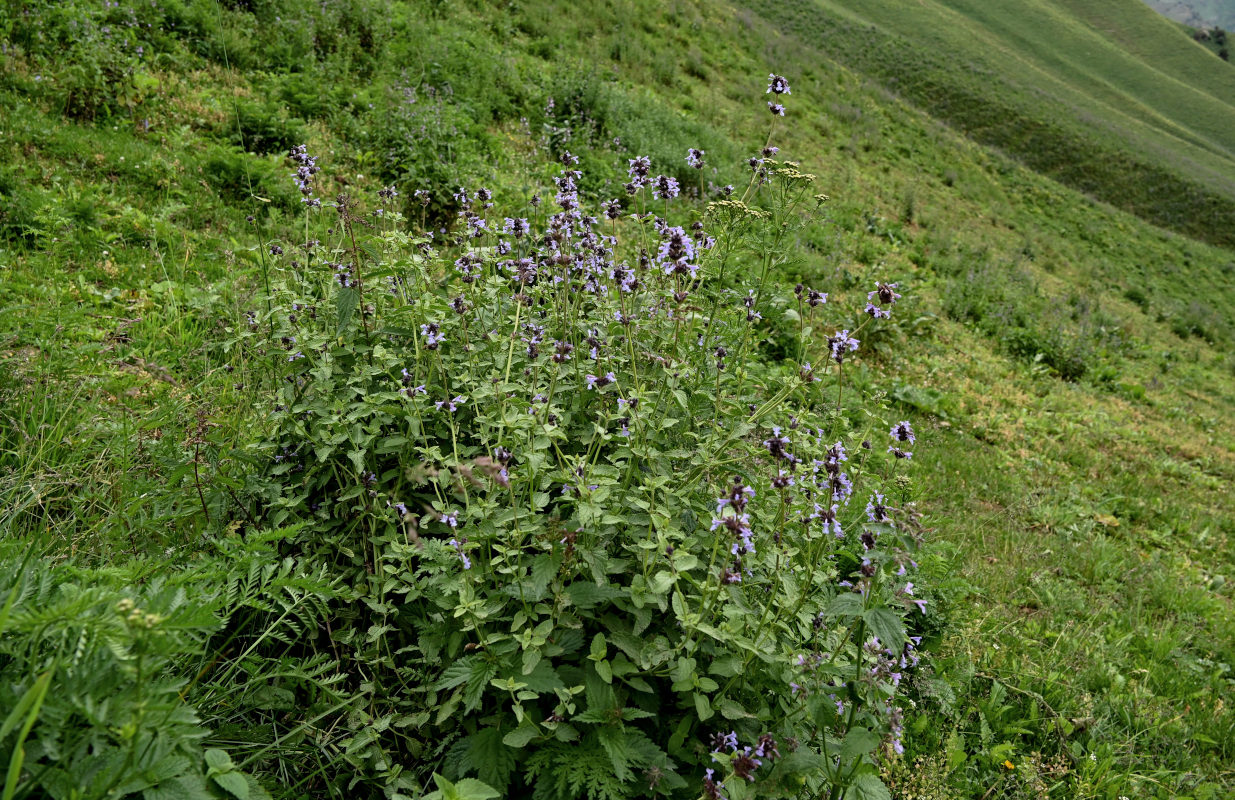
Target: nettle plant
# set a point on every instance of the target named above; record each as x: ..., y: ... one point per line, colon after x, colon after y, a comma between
x: 595, y: 546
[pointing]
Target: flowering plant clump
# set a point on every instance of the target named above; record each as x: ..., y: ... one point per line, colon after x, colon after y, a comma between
x: 594, y: 545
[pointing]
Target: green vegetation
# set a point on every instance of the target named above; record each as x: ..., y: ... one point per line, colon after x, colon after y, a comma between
x: 1066, y: 365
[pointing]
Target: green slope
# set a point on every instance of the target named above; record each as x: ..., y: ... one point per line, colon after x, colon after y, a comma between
x: 1061, y: 92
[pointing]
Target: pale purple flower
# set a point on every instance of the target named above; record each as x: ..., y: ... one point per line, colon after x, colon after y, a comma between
x: 777, y: 85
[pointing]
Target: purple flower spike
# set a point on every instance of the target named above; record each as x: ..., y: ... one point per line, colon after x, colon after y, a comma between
x: 777, y: 85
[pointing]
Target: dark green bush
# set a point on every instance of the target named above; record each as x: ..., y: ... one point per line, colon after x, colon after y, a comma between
x: 261, y: 128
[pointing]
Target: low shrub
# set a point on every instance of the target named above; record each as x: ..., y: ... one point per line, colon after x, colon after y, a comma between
x: 591, y: 547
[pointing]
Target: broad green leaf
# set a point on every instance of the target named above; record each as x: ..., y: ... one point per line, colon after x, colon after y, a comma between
x: 218, y: 759
x: 887, y: 625
x: 703, y: 707
x: 845, y: 605
x: 348, y: 300
x: 858, y: 742
x: 233, y: 783
x: 520, y: 736
x: 868, y: 787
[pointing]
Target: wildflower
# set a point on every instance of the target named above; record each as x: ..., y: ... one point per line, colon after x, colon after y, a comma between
x: 666, y: 188
x: 563, y: 351
x: 433, y: 336
x: 749, y: 302
x: 815, y: 299
x: 596, y: 383
x: 782, y: 480
x: 829, y: 518
x: 451, y: 405
x: 907, y: 593
x: 776, y: 446
x: 639, y: 170
x: 902, y: 432
x: 770, y: 151
x: 306, y: 169
x: 876, y: 511
x: 477, y: 226
x: 712, y: 787
x: 516, y: 227
x: 275, y: 250
x: 777, y: 85
x: 458, y: 546
x: 451, y: 519
x: 766, y: 747
x: 899, y: 453
x: 694, y: 158
x: 776, y: 108
x: 886, y: 294
x: 840, y: 344
x: 745, y: 764
x: 612, y: 209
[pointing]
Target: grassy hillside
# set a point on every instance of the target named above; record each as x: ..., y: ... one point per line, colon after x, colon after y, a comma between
x: 1068, y: 361
x: 1088, y: 112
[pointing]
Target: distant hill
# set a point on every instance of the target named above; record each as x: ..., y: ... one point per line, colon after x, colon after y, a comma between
x: 1198, y: 13
x: 1105, y: 96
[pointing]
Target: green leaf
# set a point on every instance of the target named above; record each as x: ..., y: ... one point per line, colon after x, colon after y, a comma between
x: 732, y: 709
x: 218, y: 759
x: 520, y: 736
x: 456, y: 674
x: 703, y: 707
x: 845, y: 605
x: 30, y: 704
x: 887, y: 625
x: 600, y: 647
x: 481, y: 673
x: 233, y: 783
x: 348, y: 300
x: 615, y: 744
x: 185, y: 787
x: 605, y: 670
x: 868, y: 787
x: 487, y: 756
x: 858, y: 742
x: 472, y: 789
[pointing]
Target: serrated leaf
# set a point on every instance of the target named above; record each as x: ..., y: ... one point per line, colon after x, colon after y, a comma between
x: 456, y: 674
x: 347, y: 302
x: 732, y: 709
x: 845, y: 605
x: 868, y: 787
x: 233, y: 783
x: 481, y: 673
x: 887, y: 625
x: 613, y: 740
x: 858, y: 742
x: 487, y: 756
